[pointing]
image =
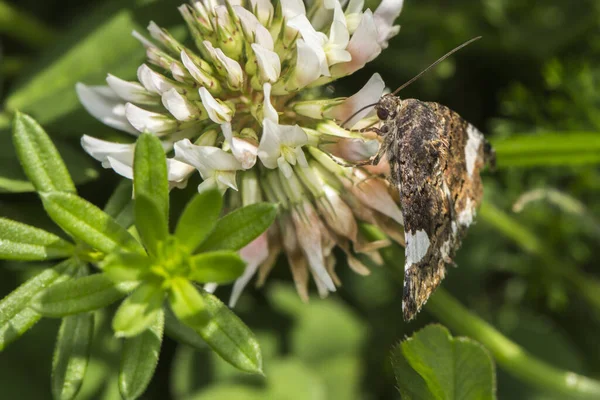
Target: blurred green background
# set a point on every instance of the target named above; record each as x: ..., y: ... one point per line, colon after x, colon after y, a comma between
x: 536, y: 70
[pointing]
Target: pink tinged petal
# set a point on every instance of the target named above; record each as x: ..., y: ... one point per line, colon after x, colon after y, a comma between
x: 363, y: 46
x: 269, y: 111
x: 269, y: 65
x: 131, y: 91
x: 104, y: 105
x: 370, y: 93
x: 254, y: 254
x: 352, y: 150
x: 179, y: 106
x: 292, y: 8
x: 148, y: 121
x: 384, y: 16
x: 338, y: 215
x: 253, y: 28
x: 217, y: 112
x: 178, y: 173
x: 117, y: 156
x: 373, y: 192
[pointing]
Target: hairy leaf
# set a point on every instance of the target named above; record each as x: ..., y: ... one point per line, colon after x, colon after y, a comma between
x: 217, y: 266
x: 150, y: 223
x: 198, y: 218
x: 138, y: 311
x: 23, y: 242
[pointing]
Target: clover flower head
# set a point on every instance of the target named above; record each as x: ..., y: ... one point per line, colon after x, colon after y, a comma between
x: 239, y: 103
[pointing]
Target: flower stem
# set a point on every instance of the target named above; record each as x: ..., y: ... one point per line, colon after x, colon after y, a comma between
x: 24, y: 27
x: 508, y: 354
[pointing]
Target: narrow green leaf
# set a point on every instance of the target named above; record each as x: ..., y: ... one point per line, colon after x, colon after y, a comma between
x: 23, y: 242
x: 120, y: 204
x: 15, y: 315
x: 150, y: 172
x: 229, y: 337
x: 217, y: 266
x: 86, y: 222
x: 138, y: 311
x: 80, y: 295
x: 71, y: 355
x: 124, y: 267
x: 41, y: 161
x: 187, y: 303
x: 198, y: 218
x: 177, y: 330
x: 139, y: 358
x: 451, y: 368
x: 150, y: 222
x: 237, y: 229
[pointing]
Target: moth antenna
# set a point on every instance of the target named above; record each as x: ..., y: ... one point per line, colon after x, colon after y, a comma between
x: 439, y: 60
x: 352, y: 116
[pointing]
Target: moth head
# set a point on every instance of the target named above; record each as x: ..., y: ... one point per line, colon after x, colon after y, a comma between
x: 387, y: 108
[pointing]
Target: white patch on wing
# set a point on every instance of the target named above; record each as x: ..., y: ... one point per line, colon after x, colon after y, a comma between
x: 465, y: 217
x: 417, y: 245
x: 472, y: 148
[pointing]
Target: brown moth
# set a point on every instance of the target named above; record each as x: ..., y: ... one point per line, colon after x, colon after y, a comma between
x: 435, y: 157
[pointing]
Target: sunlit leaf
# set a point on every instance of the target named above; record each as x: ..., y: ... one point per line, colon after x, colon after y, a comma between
x: 23, y: 242
x: 125, y: 266
x: 198, y: 218
x: 150, y: 223
x: 150, y: 172
x: 216, y: 266
x: 138, y: 311
x: 16, y: 317
x: 446, y: 367
x: 240, y: 227
x: 139, y: 358
x: 187, y: 303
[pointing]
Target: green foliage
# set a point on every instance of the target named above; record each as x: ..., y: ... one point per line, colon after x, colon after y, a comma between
x: 433, y: 365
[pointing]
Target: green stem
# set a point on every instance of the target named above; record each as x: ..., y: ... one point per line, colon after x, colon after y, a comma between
x: 585, y: 286
x: 24, y: 27
x: 508, y: 354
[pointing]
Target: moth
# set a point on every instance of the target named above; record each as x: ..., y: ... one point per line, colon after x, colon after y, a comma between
x: 435, y: 158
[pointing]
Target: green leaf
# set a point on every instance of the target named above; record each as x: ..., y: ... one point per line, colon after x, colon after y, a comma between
x: 150, y: 173
x: 86, y: 222
x: 185, y: 334
x: 187, y: 303
x: 568, y: 148
x: 217, y: 266
x: 198, y: 218
x: 237, y: 229
x: 15, y: 315
x: 231, y: 391
x: 123, y: 267
x: 71, y: 355
x: 139, y: 359
x: 80, y: 295
x: 120, y: 204
x: 293, y: 380
x: 41, y: 161
x: 229, y: 337
x: 23, y: 242
x: 150, y: 222
x: 138, y: 311
x: 449, y: 368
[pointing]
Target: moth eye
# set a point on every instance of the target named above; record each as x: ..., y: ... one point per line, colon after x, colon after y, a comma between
x: 382, y: 113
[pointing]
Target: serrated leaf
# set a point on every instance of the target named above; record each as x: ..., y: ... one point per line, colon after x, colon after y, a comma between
x: 23, y: 242
x: 240, y: 227
x: 120, y: 204
x: 187, y: 303
x: 80, y: 295
x: 139, y: 358
x: 71, y: 355
x: 150, y: 172
x: 15, y: 315
x: 229, y: 337
x: 150, y: 222
x: 86, y: 222
x: 138, y: 311
x: 199, y: 218
x: 451, y: 368
x: 41, y: 161
x: 217, y: 266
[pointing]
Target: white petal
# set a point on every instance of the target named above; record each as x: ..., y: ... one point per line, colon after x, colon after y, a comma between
x: 269, y: 148
x: 269, y: 111
x: 315, y: 40
x: 370, y: 93
x: 207, y: 159
x: 179, y: 106
x: 308, y: 65
x: 216, y: 111
x: 210, y: 287
x: 178, y: 172
x: 384, y: 16
x: 145, y: 42
x: 285, y: 167
x: 254, y: 253
x: 104, y: 104
x: 118, y: 156
x: 148, y: 121
x: 244, y: 151
x: 226, y: 179
x: 355, y: 6
x: 253, y: 28
x: 301, y: 157
x: 292, y: 135
x: 263, y: 9
x: 363, y: 46
x: 268, y: 63
x: 233, y: 69
x: 153, y: 81
x: 122, y: 168
x: 292, y: 8
x: 131, y: 91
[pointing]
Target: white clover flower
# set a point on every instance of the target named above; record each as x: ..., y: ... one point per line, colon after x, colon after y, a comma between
x: 231, y: 105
